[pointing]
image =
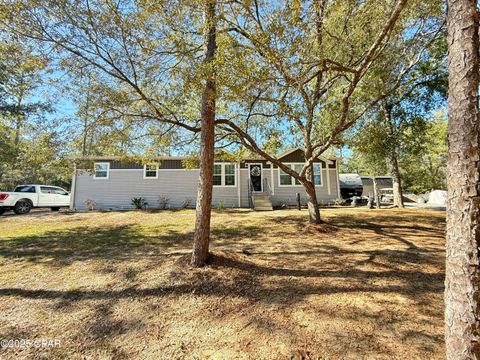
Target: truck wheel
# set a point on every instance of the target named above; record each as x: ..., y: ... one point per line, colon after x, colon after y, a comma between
x: 55, y: 208
x: 2, y: 211
x: 22, y: 207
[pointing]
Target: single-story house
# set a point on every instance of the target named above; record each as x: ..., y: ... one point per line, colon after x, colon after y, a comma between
x: 112, y: 182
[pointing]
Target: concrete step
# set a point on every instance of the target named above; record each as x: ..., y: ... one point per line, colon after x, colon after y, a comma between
x: 262, y: 202
x: 263, y: 208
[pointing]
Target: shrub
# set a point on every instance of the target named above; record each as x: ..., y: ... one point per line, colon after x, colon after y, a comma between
x: 90, y: 204
x: 139, y: 203
x: 220, y: 205
x: 339, y: 202
x: 163, y: 201
x: 186, y: 203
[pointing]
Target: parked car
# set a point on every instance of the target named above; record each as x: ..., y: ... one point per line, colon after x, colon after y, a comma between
x: 26, y: 197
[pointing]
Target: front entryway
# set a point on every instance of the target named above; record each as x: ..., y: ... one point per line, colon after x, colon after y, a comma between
x: 255, y: 173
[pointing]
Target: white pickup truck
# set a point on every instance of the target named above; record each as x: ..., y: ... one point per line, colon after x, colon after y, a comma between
x: 26, y: 197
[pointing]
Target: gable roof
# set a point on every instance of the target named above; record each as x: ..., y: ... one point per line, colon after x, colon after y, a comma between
x: 291, y: 151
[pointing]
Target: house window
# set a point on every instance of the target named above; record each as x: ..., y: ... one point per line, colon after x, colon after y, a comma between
x: 150, y: 171
x: 298, y: 169
x: 217, y: 174
x: 229, y: 174
x: 287, y: 180
x: 224, y: 175
x: 317, y: 173
x: 101, y: 170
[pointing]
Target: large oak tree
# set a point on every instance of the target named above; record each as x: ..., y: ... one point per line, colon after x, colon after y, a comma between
x: 304, y: 65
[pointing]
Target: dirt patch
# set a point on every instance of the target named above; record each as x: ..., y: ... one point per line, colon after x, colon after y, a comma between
x: 323, y: 228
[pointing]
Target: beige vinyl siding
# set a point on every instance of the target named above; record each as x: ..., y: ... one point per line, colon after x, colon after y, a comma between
x: 244, y: 179
x: 123, y: 185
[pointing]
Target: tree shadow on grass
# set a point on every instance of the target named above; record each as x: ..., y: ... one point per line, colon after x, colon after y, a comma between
x: 245, y: 284
x: 291, y: 275
x: 61, y: 247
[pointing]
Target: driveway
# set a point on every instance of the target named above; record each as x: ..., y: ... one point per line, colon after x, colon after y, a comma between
x: 32, y: 213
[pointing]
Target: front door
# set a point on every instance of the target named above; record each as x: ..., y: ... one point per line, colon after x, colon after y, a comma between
x: 255, y: 171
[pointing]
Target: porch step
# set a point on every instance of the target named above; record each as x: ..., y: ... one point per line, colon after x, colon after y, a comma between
x: 262, y: 202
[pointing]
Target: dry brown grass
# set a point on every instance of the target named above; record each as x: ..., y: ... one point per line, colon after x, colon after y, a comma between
x: 118, y: 285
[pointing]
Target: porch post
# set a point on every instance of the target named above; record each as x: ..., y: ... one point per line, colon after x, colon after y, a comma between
x: 327, y: 171
x: 272, y: 178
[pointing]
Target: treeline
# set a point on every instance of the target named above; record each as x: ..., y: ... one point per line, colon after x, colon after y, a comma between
x: 32, y: 145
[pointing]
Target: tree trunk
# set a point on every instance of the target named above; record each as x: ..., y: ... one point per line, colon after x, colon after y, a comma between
x: 313, y: 210
x: 392, y: 157
x: 396, y: 180
x: 462, y: 293
x: 376, y: 196
x: 205, y: 186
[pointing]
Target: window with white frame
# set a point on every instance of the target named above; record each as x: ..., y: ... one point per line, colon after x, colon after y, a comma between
x: 217, y: 174
x: 224, y: 174
x: 101, y: 170
x: 229, y: 174
x: 150, y: 171
x: 317, y: 173
x: 287, y: 180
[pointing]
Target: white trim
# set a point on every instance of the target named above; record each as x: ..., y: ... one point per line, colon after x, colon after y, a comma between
x: 222, y: 175
x: 238, y: 185
x: 95, y: 171
x: 272, y: 179
x: 329, y: 188
x: 145, y: 177
x: 339, y: 196
x: 293, y: 179
x: 261, y: 173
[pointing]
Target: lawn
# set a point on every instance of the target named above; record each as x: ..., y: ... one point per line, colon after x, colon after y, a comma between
x: 118, y: 285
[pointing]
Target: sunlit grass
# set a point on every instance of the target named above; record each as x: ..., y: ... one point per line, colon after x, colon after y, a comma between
x: 367, y: 285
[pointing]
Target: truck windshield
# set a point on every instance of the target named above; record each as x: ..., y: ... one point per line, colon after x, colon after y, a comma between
x: 25, y: 189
